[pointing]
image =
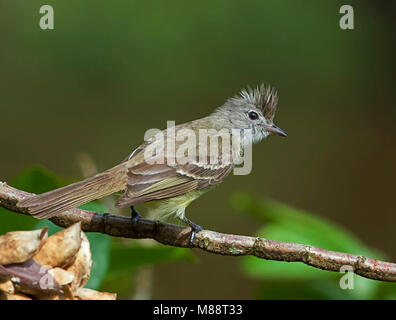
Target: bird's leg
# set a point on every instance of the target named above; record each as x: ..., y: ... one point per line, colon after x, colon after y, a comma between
x: 135, y: 215
x: 194, y: 229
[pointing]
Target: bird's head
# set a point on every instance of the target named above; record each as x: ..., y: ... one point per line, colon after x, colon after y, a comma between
x: 253, y: 109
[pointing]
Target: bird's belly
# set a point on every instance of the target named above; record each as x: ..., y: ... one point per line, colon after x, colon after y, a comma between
x: 166, y: 209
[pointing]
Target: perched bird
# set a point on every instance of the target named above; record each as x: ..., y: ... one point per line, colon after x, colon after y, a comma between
x: 167, y: 182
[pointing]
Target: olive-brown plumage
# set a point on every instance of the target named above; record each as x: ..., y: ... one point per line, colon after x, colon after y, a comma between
x: 169, y: 187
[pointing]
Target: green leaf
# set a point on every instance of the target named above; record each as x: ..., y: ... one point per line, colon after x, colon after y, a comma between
x: 308, y: 289
x: 387, y: 291
x: 100, y: 249
x: 298, y: 290
x: 284, y: 223
x: 36, y: 180
x: 127, y: 256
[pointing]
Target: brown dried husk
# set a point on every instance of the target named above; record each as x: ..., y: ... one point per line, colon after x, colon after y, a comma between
x: 61, y: 248
x: 20, y: 246
x: 41, y: 267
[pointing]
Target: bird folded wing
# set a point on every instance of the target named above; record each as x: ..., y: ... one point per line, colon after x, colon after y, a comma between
x: 147, y: 182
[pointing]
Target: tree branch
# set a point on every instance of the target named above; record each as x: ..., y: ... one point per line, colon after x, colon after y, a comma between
x: 210, y: 241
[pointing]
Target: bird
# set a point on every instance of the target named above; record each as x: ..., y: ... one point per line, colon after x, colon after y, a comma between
x: 167, y: 182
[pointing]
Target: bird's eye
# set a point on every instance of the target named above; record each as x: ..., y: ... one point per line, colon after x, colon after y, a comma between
x: 253, y: 115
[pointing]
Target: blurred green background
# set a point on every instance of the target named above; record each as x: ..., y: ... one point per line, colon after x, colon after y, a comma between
x: 111, y: 70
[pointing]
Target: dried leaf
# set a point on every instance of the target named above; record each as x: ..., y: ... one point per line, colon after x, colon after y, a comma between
x: 61, y: 276
x: 89, y: 294
x: 57, y: 267
x: 30, y: 277
x: 7, y: 287
x: 20, y: 246
x: 66, y: 294
x: 18, y: 296
x: 81, y: 268
x: 60, y: 249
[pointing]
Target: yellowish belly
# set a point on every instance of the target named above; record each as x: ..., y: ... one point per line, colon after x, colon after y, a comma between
x: 166, y: 209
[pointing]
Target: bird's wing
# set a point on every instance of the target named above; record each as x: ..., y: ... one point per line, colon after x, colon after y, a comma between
x: 147, y: 182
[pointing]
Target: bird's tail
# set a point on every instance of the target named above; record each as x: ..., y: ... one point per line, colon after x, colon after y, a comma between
x: 54, y: 202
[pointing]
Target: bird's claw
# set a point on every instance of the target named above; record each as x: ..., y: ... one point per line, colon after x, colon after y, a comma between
x: 135, y: 216
x: 195, y: 228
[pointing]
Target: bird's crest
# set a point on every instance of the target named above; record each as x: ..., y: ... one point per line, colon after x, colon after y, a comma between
x: 263, y: 97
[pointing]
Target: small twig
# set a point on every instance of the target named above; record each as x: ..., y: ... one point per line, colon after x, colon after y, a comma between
x: 210, y: 241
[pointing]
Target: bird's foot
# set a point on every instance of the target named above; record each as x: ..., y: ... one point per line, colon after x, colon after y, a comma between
x: 135, y: 215
x: 195, y: 228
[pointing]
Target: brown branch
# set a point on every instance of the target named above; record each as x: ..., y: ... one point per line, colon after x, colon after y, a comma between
x: 210, y: 241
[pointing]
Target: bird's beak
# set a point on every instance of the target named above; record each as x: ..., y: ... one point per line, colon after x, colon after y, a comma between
x: 277, y: 130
